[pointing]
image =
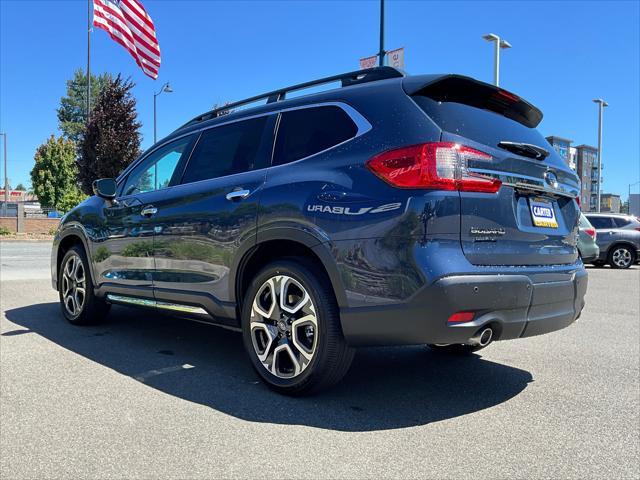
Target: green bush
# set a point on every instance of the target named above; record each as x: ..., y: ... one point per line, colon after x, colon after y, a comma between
x: 5, y: 231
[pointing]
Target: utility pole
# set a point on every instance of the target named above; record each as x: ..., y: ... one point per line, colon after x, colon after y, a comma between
x: 601, y: 104
x: 6, y: 178
x: 381, y: 53
x: 499, y: 44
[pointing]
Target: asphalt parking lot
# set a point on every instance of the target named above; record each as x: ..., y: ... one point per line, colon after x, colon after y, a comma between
x: 148, y: 396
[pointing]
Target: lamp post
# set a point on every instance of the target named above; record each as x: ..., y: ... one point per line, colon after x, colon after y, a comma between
x: 165, y: 88
x: 601, y: 104
x: 499, y: 44
x: 381, y: 53
x: 6, y: 179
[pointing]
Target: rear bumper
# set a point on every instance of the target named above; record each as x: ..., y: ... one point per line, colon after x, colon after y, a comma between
x: 512, y: 304
x: 589, y: 252
x: 590, y: 258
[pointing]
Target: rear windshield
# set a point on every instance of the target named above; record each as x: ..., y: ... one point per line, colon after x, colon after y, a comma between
x: 478, y: 124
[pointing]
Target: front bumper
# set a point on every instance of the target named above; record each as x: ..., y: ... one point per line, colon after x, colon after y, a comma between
x: 513, y: 304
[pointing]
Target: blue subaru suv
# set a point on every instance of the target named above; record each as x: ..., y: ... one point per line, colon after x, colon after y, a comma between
x: 391, y: 210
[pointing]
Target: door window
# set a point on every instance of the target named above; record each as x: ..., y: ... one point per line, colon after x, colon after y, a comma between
x: 621, y: 222
x: 225, y: 150
x: 160, y: 169
x: 307, y: 131
x: 601, y: 222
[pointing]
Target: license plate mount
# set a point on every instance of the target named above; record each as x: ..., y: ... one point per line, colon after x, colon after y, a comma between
x: 543, y: 213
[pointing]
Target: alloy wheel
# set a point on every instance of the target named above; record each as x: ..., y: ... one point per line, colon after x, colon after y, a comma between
x: 621, y: 257
x: 73, y: 285
x: 284, y: 326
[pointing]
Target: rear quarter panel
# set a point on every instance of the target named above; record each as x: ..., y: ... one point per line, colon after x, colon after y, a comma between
x: 371, y: 228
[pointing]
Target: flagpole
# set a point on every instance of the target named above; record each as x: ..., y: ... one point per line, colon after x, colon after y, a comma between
x: 88, y: 59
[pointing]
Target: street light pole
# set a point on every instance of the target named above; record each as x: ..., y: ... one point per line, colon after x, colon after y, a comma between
x: 499, y: 44
x: 165, y: 88
x: 601, y: 104
x: 381, y: 53
x: 6, y: 178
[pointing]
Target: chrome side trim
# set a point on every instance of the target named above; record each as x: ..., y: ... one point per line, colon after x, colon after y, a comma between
x: 145, y: 302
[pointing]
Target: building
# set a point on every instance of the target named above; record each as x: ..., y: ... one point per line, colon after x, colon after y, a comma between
x: 584, y: 160
x: 587, y: 170
x: 563, y: 147
x: 634, y: 204
x: 610, y: 202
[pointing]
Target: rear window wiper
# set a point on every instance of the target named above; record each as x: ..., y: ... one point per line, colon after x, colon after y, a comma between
x: 525, y: 149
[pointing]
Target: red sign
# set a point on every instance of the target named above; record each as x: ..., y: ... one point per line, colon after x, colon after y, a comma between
x: 368, y: 62
x: 13, y: 193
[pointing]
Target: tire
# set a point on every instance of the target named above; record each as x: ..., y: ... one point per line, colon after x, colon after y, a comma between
x: 621, y: 256
x: 456, y: 349
x: 74, y: 276
x: 296, y: 347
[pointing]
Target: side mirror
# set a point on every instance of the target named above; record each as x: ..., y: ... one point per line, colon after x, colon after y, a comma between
x: 105, y: 188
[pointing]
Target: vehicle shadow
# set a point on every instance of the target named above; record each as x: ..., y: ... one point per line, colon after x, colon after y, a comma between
x: 386, y: 388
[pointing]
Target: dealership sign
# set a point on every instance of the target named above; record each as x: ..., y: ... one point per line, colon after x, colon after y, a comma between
x: 395, y: 58
x: 368, y: 62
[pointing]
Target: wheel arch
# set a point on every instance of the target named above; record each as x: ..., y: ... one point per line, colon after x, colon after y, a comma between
x: 281, y: 243
x: 623, y: 243
x: 72, y: 235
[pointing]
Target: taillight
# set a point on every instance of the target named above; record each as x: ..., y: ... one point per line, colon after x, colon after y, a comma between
x: 459, y: 317
x: 436, y: 166
x: 591, y: 232
x: 578, y: 202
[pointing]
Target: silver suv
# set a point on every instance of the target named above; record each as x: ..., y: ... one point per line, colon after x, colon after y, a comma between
x: 618, y: 237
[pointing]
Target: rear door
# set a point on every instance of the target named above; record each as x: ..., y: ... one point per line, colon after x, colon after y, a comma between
x: 532, y: 219
x: 605, y: 230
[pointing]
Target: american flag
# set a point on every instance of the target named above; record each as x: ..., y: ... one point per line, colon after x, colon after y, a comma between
x: 128, y: 23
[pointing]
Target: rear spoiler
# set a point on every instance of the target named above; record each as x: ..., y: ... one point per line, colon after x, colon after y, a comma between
x: 466, y: 90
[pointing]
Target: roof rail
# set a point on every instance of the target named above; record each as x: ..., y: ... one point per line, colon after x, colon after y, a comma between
x: 351, y: 78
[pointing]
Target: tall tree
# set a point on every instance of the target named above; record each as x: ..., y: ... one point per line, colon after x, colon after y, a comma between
x: 21, y: 187
x: 54, y: 174
x: 72, y: 113
x: 112, y: 140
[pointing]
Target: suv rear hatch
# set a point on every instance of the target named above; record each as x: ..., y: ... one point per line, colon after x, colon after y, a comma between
x: 532, y: 219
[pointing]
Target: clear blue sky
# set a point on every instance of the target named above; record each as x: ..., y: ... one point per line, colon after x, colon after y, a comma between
x: 564, y: 54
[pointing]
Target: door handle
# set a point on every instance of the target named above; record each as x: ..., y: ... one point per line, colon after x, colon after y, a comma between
x: 149, y: 211
x: 238, y: 195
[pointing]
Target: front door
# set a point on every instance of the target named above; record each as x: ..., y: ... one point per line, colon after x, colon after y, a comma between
x: 201, y: 224
x: 124, y: 258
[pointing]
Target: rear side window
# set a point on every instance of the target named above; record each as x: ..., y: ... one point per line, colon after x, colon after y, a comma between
x: 226, y: 150
x: 584, y: 222
x: 621, y: 222
x: 307, y: 131
x: 601, y: 222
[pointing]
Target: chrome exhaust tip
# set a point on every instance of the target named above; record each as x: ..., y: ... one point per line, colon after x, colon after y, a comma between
x: 482, y: 338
